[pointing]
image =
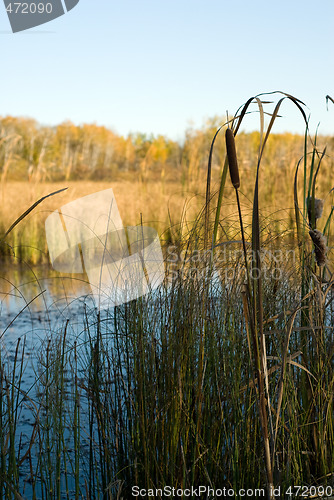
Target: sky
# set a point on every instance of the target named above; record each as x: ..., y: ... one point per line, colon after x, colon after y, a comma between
x: 158, y: 66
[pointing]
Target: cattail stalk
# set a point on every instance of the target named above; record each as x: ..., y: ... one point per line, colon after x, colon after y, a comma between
x: 260, y: 353
x: 234, y: 174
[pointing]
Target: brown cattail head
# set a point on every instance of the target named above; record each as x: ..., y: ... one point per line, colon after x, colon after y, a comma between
x: 320, y: 246
x: 318, y: 208
x: 232, y: 158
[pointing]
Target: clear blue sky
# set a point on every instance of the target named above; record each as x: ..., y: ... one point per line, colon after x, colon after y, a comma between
x: 159, y: 65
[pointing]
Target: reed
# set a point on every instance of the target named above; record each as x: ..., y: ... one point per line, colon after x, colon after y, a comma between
x: 254, y: 304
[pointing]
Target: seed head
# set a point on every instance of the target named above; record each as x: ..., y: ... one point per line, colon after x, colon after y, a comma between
x: 320, y: 246
x: 318, y: 208
x: 232, y: 158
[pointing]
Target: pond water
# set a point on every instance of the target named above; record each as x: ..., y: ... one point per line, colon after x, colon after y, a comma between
x: 35, y: 307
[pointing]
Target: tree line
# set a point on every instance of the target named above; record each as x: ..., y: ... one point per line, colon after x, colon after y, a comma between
x: 32, y: 152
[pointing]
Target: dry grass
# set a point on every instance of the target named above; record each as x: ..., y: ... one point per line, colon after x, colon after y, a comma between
x: 165, y: 206
x: 153, y: 200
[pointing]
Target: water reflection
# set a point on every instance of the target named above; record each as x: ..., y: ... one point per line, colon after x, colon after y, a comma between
x: 39, y: 287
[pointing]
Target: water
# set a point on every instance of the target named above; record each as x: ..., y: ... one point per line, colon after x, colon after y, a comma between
x: 35, y: 308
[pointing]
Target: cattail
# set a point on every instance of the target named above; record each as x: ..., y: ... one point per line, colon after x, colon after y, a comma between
x: 318, y: 208
x: 232, y: 158
x: 320, y: 246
